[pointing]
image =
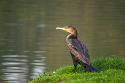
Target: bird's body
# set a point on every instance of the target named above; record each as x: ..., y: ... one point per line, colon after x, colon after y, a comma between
x: 78, y: 50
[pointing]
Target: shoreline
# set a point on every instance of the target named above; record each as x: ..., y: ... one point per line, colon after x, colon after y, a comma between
x: 112, y: 70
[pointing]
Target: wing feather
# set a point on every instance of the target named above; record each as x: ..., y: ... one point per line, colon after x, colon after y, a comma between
x: 79, y: 50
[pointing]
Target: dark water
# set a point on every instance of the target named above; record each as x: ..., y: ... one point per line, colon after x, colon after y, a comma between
x: 30, y: 45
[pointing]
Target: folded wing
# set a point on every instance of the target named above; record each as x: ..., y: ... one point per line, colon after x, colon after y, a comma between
x: 79, y: 50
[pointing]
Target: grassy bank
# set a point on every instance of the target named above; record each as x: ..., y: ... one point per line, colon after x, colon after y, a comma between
x: 112, y: 71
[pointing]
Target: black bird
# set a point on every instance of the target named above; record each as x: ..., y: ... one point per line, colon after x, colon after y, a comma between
x: 78, y: 50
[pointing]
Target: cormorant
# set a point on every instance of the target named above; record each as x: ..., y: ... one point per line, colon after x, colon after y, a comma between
x: 78, y: 50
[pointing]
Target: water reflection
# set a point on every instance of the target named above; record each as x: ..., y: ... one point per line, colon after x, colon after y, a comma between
x: 15, y: 68
x: 21, y: 57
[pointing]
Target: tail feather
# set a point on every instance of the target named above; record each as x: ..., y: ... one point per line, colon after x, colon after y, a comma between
x: 91, y: 68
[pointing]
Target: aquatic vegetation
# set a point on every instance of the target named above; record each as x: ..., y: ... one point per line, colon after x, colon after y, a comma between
x: 112, y: 70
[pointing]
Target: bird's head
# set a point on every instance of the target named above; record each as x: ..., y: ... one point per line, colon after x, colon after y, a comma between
x: 70, y: 29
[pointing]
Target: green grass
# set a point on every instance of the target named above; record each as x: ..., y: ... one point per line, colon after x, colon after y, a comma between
x: 112, y: 70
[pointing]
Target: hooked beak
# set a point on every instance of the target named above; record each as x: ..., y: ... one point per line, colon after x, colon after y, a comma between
x: 62, y: 28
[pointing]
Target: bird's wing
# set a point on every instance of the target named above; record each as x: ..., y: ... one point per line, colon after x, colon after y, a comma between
x: 79, y: 50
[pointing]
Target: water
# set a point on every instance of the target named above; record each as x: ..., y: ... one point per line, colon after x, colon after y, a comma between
x: 30, y: 44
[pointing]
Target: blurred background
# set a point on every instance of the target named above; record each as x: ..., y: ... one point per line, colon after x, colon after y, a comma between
x: 30, y: 45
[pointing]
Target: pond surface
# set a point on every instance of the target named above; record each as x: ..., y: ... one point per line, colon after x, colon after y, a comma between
x: 30, y: 45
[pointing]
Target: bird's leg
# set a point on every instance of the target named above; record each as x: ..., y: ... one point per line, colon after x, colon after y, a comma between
x: 82, y: 66
x: 75, y: 64
x: 74, y: 61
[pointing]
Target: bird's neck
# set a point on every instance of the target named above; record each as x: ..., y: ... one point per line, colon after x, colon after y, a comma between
x: 71, y: 36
